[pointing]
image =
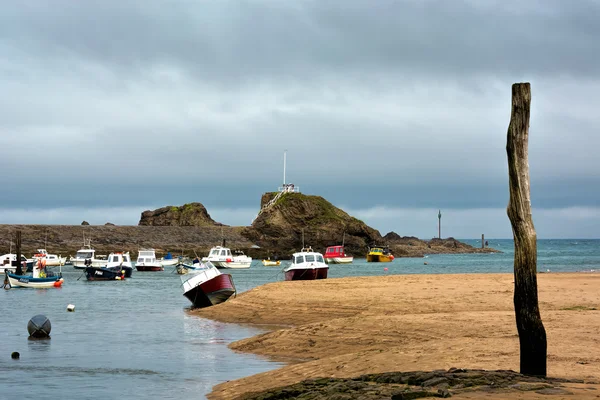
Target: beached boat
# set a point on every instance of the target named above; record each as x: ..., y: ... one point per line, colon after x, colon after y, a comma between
x: 119, y: 260
x: 379, y: 254
x: 8, y: 262
x: 169, y: 260
x: 271, y: 263
x: 207, y: 286
x: 39, y: 279
x: 86, y: 253
x: 221, y: 257
x: 52, y: 260
x: 306, y: 265
x: 147, y: 261
x: 337, y: 255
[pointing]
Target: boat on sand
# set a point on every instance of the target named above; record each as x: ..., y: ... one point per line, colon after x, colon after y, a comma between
x: 207, y: 286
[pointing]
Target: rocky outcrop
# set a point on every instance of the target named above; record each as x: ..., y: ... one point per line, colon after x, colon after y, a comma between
x: 192, y: 214
x: 410, y: 246
x: 281, y: 227
x: 85, y: 223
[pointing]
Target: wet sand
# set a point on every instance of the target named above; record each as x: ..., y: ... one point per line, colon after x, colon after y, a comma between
x: 352, y: 326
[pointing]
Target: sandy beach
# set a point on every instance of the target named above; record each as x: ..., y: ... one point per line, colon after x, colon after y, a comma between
x: 352, y: 326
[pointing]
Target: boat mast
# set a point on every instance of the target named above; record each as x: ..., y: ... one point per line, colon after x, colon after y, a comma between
x: 343, y: 238
x: 284, y: 162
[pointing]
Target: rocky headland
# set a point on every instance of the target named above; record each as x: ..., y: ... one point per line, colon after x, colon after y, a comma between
x: 280, y: 229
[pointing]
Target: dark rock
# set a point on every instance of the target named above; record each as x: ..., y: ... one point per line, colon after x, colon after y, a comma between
x: 85, y: 223
x: 109, y: 224
x: 553, y: 391
x: 434, y: 381
x: 410, y: 394
x: 444, y: 393
x: 192, y: 214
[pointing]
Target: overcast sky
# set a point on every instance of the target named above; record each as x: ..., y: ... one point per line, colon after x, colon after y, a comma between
x: 390, y: 109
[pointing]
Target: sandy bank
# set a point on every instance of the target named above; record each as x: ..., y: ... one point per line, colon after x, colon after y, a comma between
x: 352, y: 326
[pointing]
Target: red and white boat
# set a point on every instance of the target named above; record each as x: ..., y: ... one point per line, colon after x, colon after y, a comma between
x: 147, y: 261
x: 336, y: 255
x: 306, y: 265
x: 207, y: 286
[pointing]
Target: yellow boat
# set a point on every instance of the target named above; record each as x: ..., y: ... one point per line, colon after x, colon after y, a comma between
x: 269, y: 263
x: 379, y: 254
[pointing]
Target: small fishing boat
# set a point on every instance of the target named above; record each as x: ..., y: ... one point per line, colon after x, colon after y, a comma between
x: 379, y: 254
x: 183, y: 268
x: 306, y: 265
x: 221, y: 257
x: 169, y: 260
x: 52, y: 260
x: 119, y: 260
x: 207, y: 286
x: 39, y: 279
x: 104, y: 273
x: 147, y: 261
x: 86, y: 253
x: 8, y: 262
x: 337, y: 255
x: 271, y: 263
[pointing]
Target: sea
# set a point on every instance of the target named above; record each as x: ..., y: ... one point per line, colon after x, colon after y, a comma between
x: 134, y: 339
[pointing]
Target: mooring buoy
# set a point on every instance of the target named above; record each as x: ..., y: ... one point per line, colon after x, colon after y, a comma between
x: 39, y: 327
x: 15, y: 355
x: 71, y: 307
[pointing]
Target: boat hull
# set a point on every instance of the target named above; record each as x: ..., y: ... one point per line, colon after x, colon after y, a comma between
x: 169, y: 263
x: 268, y: 263
x: 104, y: 274
x: 149, y: 267
x: 80, y: 264
x: 306, y: 274
x: 379, y: 258
x: 339, y: 260
x: 212, y: 292
x: 231, y: 265
x: 36, y: 283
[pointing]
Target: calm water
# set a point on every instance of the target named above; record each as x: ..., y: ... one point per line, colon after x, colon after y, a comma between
x: 134, y: 339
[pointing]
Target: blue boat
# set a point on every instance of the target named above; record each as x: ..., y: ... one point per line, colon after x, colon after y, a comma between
x: 29, y: 281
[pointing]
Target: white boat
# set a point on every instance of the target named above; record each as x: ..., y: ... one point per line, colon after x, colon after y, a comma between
x: 119, y: 260
x: 306, y: 265
x: 7, y: 261
x: 52, y: 260
x: 207, y: 286
x: 86, y: 253
x: 39, y: 279
x: 147, y: 261
x: 169, y: 260
x: 221, y: 257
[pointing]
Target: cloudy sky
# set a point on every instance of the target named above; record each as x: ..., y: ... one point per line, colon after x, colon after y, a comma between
x: 390, y: 109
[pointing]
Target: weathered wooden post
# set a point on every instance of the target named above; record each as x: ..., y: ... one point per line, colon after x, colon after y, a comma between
x: 18, y: 269
x: 532, y: 335
x: 482, y: 241
x: 439, y: 224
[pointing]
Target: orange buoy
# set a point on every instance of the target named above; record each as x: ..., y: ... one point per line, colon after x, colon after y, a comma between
x: 385, y: 269
x: 58, y: 283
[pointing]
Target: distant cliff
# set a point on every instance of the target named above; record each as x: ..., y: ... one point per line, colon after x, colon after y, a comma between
x: 192, y: 214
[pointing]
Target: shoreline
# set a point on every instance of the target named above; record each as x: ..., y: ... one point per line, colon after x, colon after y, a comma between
x: 346, y: 327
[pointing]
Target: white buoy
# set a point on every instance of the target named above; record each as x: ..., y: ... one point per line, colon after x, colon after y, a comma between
x: 71, y: 307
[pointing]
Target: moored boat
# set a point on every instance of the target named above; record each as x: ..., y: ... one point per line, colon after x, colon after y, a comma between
x: 271, y: 263
x: 119, y: 260
x: 380, y: 254
x: 306, y: 265
x: 221, y: 257
x: 39, y: 279
x: 52, y: 260
x: 104, y: 273
x: 8, y: 262
x: 337, y: 255
x: 169, y: 260
x: 86, y: 253
x: 147, y: 261
x: 207, y: 286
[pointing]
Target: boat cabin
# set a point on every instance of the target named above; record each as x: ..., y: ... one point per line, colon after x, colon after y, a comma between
x: 335, y: 251
x: 300, y: 258
x: 84, y: 254
x: 118, y: 258
x: 146, y: 256
x: 220, y: 251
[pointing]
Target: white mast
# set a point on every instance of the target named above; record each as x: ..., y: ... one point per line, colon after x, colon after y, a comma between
x: 284, y: 160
